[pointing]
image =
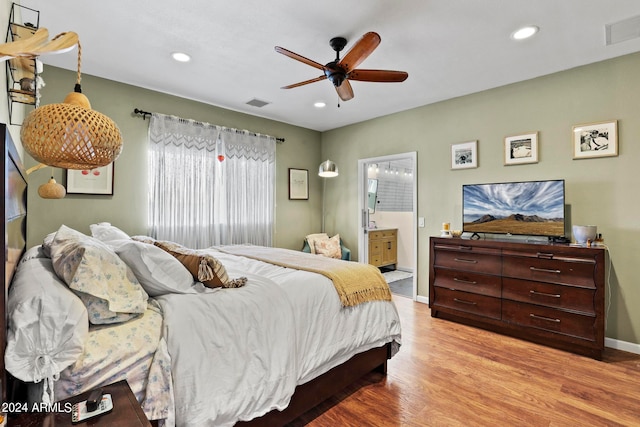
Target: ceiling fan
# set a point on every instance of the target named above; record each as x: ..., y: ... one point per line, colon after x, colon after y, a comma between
x: 340, y: 71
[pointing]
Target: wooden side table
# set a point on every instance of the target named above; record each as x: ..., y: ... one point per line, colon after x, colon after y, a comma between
x: 126, y: 412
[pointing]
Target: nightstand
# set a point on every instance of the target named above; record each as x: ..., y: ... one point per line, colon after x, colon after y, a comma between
x: 126, y: 412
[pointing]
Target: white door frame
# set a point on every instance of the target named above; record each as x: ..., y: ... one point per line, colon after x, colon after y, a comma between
x: 363, y: 244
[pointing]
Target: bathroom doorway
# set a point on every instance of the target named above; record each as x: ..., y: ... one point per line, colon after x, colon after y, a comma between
x: 387, y: 201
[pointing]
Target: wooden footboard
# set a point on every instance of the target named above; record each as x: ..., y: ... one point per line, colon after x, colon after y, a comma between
x: 312, y: 393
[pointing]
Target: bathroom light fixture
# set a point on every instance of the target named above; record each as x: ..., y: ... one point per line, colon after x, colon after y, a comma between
x: 525, y: 32
x: 181, y: 57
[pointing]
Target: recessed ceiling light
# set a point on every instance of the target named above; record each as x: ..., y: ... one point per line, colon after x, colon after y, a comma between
x: 524, y: 32
x: 181, y: 57
x: 320, y: 104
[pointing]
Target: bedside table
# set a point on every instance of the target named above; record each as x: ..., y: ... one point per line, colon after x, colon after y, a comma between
x: 126, y: 412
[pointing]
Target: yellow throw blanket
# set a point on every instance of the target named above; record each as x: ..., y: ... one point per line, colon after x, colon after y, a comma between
x: 355, y: 283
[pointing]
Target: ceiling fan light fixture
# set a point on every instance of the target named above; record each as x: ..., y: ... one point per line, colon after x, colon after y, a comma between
x: 319, y: 104
x: 525, y: 32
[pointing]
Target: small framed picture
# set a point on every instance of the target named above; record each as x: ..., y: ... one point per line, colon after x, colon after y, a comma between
x: 91, y: 181
x: 521, y: 149
x: 464, y: 155
x: 298, y: 184
x: 595, y: 140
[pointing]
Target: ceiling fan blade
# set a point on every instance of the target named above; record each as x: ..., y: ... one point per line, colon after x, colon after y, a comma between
x: 300, y: 58
x: 360, y: 51
x: 317, y: 79
x: 382, y: 76
x: 345, y: 91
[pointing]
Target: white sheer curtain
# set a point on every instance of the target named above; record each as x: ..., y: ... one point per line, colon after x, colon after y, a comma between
x: 210, y: 185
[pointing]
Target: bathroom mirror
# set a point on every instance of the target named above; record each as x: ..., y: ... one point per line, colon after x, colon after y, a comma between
x: 372, y: 195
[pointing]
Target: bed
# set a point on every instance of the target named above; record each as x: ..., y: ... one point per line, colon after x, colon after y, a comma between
x: 273, y: 341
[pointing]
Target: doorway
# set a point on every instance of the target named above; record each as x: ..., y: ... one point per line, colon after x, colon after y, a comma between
x: 387, y: 202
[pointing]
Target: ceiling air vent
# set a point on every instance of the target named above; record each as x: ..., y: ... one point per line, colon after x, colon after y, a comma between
x: 624, y: 30
x: 257, y: 103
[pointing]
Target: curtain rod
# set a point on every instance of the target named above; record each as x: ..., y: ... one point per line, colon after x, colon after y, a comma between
x: 144, y: 115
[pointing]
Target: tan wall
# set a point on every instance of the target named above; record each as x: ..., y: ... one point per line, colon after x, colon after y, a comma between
x: 127, y: 208
x: 599, y: 191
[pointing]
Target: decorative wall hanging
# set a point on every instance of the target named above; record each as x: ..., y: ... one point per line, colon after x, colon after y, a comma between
x: 464, y: 155
x: 298, y: 184
x: 91, y: 181
x: 595, y: 140
x: 521, y: 149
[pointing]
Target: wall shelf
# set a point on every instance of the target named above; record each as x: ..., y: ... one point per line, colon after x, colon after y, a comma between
x: 22, y: 72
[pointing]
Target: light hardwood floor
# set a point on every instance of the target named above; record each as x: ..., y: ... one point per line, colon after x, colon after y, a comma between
x: 448, y: 374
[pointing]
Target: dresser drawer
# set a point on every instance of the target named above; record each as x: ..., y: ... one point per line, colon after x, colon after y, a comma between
x: 468, y: 261
x: 549, y: 319
x: 467, y: 302
x: 469, y: 282
x: 573, y: 272
x: 550, y: 295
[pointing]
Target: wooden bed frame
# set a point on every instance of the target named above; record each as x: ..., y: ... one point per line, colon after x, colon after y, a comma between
x: 306, y: 396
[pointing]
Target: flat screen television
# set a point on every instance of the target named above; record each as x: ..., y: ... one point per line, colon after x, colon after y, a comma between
x: 533, y: 208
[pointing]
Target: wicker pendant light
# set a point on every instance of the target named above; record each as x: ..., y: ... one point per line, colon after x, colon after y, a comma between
x: 52, y: 190
x: 71, y: 135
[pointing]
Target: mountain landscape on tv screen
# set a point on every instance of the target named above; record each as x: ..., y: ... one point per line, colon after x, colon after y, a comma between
x: 526, y: 208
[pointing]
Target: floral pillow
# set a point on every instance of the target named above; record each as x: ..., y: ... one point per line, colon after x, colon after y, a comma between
x: 104, y: 283
x: 329, y: 247
x: 204, y: 267
x: 312, y: 238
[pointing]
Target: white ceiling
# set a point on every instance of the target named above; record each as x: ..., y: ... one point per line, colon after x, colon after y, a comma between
x: 449, y: 48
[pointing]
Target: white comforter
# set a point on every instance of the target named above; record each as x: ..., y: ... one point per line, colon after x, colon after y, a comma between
x: 239, y: 353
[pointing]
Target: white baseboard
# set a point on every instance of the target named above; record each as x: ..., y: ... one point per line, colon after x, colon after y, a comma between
x: 622, y: 345
x: 424, y: 300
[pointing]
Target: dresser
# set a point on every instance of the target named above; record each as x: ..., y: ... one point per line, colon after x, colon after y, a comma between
x: 383, y: 247
x: 552, y: 294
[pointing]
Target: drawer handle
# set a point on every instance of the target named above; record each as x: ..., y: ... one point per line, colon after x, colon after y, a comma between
x: 545, y: 255
x: 544, y: 294
x: 547, y: 319
x: 468, y: 261
x: 465, y: 302
x: 465, y: 248
x: 455, y: 279
x: 545, y: 270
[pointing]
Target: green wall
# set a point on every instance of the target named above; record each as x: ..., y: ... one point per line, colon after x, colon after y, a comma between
x: 127, y: 208
x: 599, y: 191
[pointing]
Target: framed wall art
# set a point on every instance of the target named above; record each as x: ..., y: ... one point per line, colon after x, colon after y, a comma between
x: 521, y: 149
x: 595, y: 140
x: 464, y: 155
x: 90, y: 181
x: 298, y: 184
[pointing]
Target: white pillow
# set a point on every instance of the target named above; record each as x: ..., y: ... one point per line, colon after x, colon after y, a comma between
x: 157, y: 271
x: 47, y: 323
x: 104, y: 283
x: 312, y: 238
x: 106, y: 232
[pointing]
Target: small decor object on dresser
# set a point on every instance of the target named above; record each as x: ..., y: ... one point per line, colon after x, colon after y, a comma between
x: 595, y: 140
